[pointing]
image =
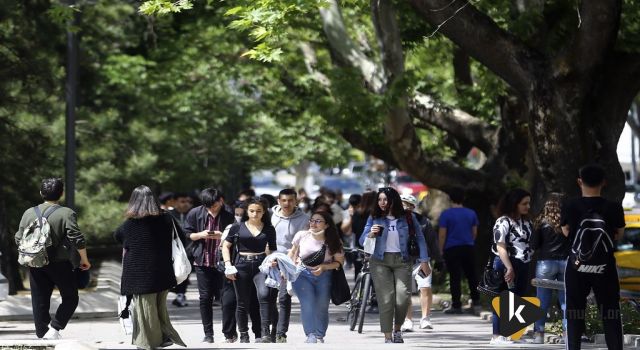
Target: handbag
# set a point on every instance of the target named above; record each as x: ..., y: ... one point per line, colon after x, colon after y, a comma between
x: 369, y: 245
x: 181, y: 263
x: 316, y: 258
x: 340, y: 291
x: 492, y: 281
x: 125, y: 310
x: 412, y: 246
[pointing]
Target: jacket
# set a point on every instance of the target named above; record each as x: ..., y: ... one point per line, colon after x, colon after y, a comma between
x: 549, y: 244
x: 286, y: 268
x: 195, y: 222
x: 66, y: 237
x: 403, y: 231
x: 287, y: 226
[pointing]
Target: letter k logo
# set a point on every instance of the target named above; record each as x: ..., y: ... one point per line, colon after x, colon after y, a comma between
x: 521, y: 312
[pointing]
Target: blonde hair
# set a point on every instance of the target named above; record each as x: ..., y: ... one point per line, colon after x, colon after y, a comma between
x: 550, y: 213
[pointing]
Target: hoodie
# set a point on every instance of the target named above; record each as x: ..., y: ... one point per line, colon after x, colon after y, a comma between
x: 287, y: 226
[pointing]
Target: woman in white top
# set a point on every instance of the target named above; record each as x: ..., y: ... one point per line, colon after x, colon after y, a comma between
x: 320, y: 250
x: 511, y: 236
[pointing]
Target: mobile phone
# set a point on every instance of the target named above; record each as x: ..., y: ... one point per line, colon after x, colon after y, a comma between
x: 421, y: 273
x: 212, y: 233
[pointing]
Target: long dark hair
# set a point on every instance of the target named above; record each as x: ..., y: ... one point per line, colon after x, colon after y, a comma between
x: 550, y: 213
x: 366, y: 204
x: 331, y: 236
x: 394, y: 204
x: 142, y: 203
x: 266, y: 218
x: 509, y: 203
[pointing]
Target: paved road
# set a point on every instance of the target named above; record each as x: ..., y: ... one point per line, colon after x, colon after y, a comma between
x: 450, y: 331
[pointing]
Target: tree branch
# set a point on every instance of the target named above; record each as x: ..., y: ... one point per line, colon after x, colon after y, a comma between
x: 596, y: 35
x: 479, y: 36
x: 345, y: 50
x: 454, y: 121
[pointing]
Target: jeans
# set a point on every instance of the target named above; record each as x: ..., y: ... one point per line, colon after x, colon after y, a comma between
x: 284, y: 314
x: 459, y: 260
x: 551, y: 270
x: 521, y: 270
x: 43, y: 279
x: 249, y: 275
x: 208, y: 286
x: 392, y: 281
x: 314, y: 293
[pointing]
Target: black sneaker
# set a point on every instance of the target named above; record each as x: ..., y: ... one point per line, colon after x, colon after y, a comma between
x: 244, y: 337
x: 397, y: 337
x: 180, y: 301
x: 207, y: 339
x: 453, y: 311
x: 266, y: 339
x: 281, y: 338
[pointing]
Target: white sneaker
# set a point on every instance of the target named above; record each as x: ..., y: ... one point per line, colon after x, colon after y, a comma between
x: 500, y: 340
x: 52, y: 334
x: 311, y: 338
x: 425, y: 323
x: 407, y: 326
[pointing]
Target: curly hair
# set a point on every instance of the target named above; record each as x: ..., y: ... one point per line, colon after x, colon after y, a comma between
x: 550, y: 213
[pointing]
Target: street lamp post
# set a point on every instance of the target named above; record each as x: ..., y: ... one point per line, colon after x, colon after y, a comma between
x: 71, y: 90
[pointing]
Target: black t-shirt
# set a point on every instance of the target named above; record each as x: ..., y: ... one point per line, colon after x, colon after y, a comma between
x: 574, y: 210
x: 247, y: 243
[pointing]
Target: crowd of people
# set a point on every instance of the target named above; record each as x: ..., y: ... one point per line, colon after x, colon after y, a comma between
x: 250, y: 256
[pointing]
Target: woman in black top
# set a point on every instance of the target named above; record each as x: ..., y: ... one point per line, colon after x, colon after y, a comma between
x: 147, y: 269
x: 255, y: 238
x: 552, y: 250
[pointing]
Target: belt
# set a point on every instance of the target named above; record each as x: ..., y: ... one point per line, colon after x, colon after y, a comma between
x: 251, y: 257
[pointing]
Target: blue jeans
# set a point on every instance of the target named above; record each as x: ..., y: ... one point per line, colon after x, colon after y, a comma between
x: 521, y: 270
x: 314, y: 293
x: 551, y: 270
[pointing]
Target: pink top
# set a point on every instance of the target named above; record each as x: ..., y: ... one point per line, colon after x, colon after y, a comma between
x: 308, y: 245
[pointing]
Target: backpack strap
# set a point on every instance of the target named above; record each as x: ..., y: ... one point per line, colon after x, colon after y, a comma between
x: 38, y: 215
x: 49, y: 211
x: 409, y: 217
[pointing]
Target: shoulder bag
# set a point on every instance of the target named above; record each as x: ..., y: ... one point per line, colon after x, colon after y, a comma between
x: 181, y: 263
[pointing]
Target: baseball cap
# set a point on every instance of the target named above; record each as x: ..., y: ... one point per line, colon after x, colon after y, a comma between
x: 409, y: 199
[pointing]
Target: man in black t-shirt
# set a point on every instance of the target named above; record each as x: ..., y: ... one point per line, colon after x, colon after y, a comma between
x: 600, y: 271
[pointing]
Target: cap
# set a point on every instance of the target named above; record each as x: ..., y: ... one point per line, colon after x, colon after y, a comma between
x: 409, y: 199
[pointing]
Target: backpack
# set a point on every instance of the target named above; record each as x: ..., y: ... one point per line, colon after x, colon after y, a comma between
x: 592, y: 246
x: 412, y: 245
x: 36, y: 238
x: 233, y: 230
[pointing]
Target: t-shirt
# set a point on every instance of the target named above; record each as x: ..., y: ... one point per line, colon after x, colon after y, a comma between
x: 459, y: 223
x: 393, y: 238
x: 308, y: 245
x: 247, y: 243
x: 574, y: 209
x: 516, y: 234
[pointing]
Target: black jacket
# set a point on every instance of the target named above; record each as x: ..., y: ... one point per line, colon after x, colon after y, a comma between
x: 549, y: 244
x: 146, y: 264
x: 195, y: 222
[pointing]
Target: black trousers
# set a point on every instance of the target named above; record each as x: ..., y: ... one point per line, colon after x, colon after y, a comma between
x: 459, y: 260
x: 43, y: 279
x: 209, y: 285
x: 606, y: 288
x: 229, y: 306
x: 182, y: 287
x: 249, y: 274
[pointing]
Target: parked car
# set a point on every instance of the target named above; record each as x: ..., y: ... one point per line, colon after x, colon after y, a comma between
x: 628, y: 254
x: 405, y: 184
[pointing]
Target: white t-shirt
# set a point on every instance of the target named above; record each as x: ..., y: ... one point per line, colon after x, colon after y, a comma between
x: 393, y: 239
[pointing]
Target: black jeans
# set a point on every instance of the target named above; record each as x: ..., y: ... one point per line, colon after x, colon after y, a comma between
x: 606, y: 289
x: 461, y: 259
x: 209, y: 284
x: 43, y: 279
x: 249, y: 274
x: 284, y: 314
x: 229, y: 306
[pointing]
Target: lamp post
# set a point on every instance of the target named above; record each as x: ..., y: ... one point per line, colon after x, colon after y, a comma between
x: 71, y: 90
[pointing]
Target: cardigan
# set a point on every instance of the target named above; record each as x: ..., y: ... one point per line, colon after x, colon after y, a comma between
x: 147, y: 265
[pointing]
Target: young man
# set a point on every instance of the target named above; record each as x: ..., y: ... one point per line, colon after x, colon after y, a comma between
x: 182, y: 205
x: 59, y: 271
x: 458, y: 228
x: 592, y: 266
x: 204, y: 226
x: 287, y: 219
x: 409, y: 203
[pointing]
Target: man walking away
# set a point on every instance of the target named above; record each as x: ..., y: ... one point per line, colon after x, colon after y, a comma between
x: 179, y: 212
x: 65, y: 237
x: 592, y: 224
x: 458, y: 228
x: 288, y: 220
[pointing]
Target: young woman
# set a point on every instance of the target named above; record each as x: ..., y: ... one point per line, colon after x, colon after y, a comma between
x: 320, y: 250
x: 511, y: 235
x: 147, y: 269
x: 390, y: 262
x: 255, y: 238
x: 552, y: 250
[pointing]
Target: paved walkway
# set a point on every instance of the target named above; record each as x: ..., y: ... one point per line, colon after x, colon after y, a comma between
x: 98, y: 331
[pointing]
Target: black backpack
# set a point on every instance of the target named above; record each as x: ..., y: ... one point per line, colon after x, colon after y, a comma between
x: 592, y: 246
